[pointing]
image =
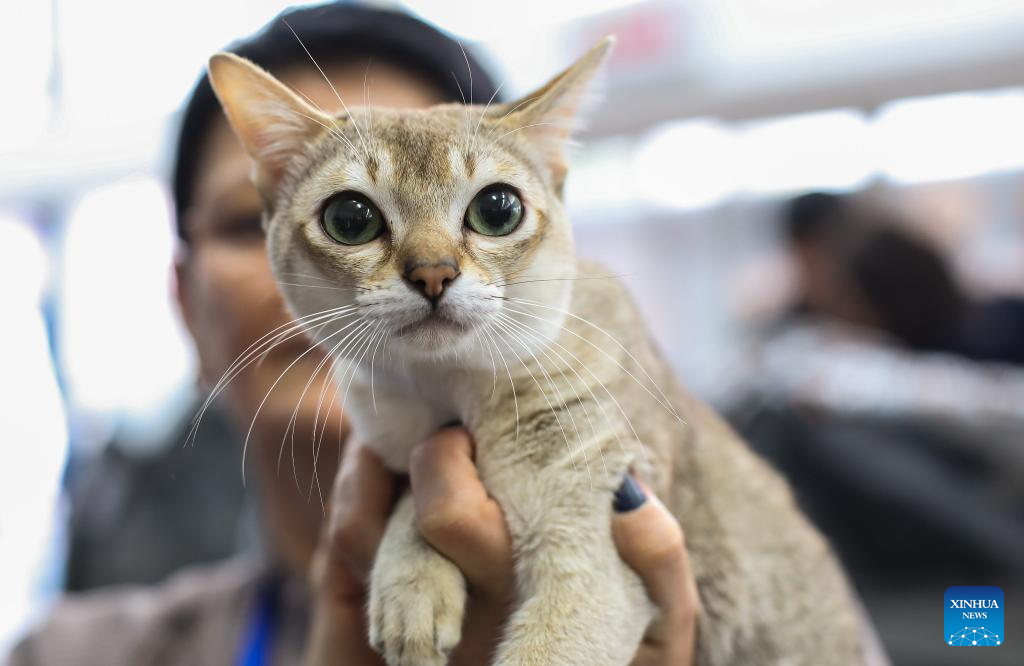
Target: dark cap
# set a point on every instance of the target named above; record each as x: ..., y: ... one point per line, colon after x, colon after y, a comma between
x: 334, y: 33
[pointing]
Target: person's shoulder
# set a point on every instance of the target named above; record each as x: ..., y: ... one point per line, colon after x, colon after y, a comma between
x: 195, y: 612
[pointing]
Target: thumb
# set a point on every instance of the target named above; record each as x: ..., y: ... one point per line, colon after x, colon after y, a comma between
x: 651, y: 542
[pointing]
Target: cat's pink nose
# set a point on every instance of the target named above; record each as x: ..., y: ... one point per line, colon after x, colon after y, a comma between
x: 431, y: 279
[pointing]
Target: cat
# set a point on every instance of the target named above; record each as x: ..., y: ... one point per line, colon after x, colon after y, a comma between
x: 450, y: 288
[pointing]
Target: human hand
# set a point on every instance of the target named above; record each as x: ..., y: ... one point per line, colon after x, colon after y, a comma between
x: 458, y: 518
x: 454, y: 514
x: 651, y: 542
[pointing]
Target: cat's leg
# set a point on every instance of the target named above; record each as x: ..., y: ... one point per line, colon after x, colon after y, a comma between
x: 580, y: 604
x: 417, y: 596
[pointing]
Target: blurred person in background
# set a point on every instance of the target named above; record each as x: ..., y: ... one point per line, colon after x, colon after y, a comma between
x: 860, y: 264
x: 810, y: 226
x: 915, y: 295
x: 259, y: 609
x: 875, y: 394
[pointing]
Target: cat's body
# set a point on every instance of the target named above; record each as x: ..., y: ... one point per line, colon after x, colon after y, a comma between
x: 446, y: 310
x: 771, y: 590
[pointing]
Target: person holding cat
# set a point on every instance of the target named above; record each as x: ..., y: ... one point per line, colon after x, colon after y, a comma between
x: 259, y: 614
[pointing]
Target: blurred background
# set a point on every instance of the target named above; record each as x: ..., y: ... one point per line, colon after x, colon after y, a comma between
x: 866, y: 339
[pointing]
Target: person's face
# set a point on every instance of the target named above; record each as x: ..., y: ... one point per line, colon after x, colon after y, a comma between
x: 228, y: 296
x: 824, y: 286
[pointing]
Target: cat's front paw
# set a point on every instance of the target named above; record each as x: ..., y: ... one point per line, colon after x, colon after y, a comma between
x: 416, y: 610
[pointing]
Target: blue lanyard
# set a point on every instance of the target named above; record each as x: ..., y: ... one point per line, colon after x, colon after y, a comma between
x: 257, y: 641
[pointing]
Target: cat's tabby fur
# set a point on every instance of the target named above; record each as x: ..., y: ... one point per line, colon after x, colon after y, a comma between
x: 555, y: 377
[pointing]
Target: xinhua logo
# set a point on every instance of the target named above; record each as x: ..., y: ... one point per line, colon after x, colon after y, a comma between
x: 974, y: 616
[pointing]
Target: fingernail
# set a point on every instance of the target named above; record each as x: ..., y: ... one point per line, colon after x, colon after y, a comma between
x: 629, y: 496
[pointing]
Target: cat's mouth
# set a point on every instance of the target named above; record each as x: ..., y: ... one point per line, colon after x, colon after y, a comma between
x: 431, y: 324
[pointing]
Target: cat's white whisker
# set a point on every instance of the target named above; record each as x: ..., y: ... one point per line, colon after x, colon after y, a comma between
x: 663, y: 400
x: 291, y: 426
x: 252, y: 424
x: 555, y: 347
x: 279, y: 335
x: 558, y: 418
x: 333, y: 354
x: 311, y: 333
x: 469, y: 70
x: 494, y: 367
x: 316, y: 470
x: 459, y: 86
x: 359, y: 346
x: 465, y: 103
x: 519, y: 105
x: 350, y: 341
x: 333, y: 130
x: 315, y: 286
x: 515, y: 401
x: 546, y: 349
x: 327, y: 382
x: 476, y: 130
x: 366, y: 336
x: 382, y: 340
x: 543, y: 347
x: 611, y: 397
x: 306, y: 275
x: 331, y: 85
x: 501, y: 285
x: 367, y: 102
x: 522, y: 127
x: 269, y: 338
x: 501, y: 120
x: 353, y: 343
x: 330, y: 281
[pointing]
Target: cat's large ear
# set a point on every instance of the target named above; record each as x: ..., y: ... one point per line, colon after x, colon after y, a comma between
x: 548, y: 116
x: 272, y: 121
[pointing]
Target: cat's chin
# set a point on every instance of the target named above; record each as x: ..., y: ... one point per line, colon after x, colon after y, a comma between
x: 432, y: 336
x: 431, y: 327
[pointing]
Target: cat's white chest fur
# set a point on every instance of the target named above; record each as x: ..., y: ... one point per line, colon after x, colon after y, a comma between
x: 399, y: 406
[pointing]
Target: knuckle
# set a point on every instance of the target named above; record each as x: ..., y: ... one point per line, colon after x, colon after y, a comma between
x: 343, y: 535
x: 445, y: 521
x: 666, y: 551
x: 318, y: 566
x: 420, y: 455
x: 444, y: 442
x: 453, y: 436
x: 692, y: 610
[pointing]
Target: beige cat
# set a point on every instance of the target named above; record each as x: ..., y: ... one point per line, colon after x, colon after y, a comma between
x: 446, y: 269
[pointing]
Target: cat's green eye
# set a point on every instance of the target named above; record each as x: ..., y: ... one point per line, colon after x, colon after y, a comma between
x: 351, y: 219
x: 496, y: 211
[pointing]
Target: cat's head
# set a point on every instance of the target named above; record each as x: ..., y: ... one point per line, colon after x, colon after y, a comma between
x: 438, y: 229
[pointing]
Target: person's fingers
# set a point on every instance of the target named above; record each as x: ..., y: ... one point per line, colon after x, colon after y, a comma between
x: 651, y: 542
x: 455, y: 514
x: 338, y: 629
x: 361, y: 502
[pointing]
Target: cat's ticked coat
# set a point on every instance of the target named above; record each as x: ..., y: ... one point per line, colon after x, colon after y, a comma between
x: 444, y: 272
